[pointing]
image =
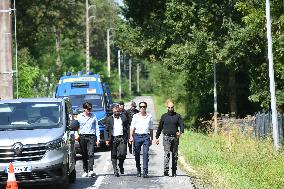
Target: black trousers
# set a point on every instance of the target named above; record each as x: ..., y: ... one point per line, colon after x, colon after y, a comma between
x: 87, y: 145
x: 170, y: 147
x: 118, y: 151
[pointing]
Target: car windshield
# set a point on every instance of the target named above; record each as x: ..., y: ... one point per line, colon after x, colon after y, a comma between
x: 96, y: 100
x: 29, y: 115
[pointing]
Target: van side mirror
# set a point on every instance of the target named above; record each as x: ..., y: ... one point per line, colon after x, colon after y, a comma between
x: 74, y: 126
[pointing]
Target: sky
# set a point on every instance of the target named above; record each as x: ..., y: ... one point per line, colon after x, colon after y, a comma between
x: 119, y: 2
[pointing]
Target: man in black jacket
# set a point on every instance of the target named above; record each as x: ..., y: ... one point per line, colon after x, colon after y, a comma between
x: 172, y: 125
x: 116, y: 136
x: 130, y: 114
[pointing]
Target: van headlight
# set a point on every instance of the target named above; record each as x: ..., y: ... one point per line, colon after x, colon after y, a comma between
x: 55, y: 144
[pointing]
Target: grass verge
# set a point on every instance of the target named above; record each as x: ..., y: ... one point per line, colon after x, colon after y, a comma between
x: 231, y: 160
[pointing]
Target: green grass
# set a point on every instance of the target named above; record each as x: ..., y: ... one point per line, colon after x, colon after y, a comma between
x: 230, y: 160
x: 233, y: 161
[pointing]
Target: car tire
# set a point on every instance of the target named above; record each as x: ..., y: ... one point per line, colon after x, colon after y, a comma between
x: 72, y: 176
x: 64, y: 184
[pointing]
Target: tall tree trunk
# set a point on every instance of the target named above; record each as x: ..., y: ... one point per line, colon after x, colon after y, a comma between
x: 233, y: 93
x: 57, y: 47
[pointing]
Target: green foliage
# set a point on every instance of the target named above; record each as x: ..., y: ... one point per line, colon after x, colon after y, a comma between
x: 186, y: 38
x: 54, y: 32
x: 233, y: 161
x: 28, y: 74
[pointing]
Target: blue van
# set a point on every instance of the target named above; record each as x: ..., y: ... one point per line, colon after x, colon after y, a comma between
x: 86, y: 87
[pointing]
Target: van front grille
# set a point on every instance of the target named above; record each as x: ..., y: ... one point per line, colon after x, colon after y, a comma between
x: 28, y: 153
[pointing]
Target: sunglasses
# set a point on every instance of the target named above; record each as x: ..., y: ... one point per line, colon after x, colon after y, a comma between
x: 171, y: 107
x: 89, y: 109
x: 142, y: 106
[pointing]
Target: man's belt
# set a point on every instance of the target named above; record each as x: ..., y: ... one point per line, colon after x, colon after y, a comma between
x: 119, y: 136
x: 142, y: 134
x: 170, y: 135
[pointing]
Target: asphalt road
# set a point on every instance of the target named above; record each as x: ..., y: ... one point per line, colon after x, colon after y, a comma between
x: 104, y: 171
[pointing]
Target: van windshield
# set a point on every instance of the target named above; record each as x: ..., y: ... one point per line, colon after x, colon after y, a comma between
x: 29, y: 115
x: 96, y: 100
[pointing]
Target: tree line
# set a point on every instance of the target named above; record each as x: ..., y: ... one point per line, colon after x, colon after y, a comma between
x: 177, y: 41
x: 182, y: 40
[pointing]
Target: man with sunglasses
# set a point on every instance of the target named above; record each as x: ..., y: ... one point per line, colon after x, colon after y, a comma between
x: 141, y: 133
x: 172, y: 125
x: 116, y: 134
x: 89, y: 135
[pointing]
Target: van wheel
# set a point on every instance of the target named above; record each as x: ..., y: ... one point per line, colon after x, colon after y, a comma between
x: 64, y: 184
x: 72, y: 176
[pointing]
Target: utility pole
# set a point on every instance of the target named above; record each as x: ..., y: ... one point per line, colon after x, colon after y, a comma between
x: 6, y: 68
x: 138, y: 77
x: 272, y: 82
x: 87, y: 38
x: 108, y: 50
x: 215, y: 96
x: 108, y: 53
x: 119, y: 73
x: 129, y: 76
x: 88, y: 35
x: 16, y: 51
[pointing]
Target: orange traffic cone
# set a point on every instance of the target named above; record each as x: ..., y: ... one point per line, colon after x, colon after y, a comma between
x: 11, y: 182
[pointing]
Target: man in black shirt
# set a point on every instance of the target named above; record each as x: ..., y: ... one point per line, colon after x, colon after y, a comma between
x: 130, y: 113
x: 172, y: 125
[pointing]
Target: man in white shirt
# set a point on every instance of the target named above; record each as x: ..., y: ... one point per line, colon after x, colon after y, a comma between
x: 89, y: 133
x: 142, y: 126
x: 116, y: 136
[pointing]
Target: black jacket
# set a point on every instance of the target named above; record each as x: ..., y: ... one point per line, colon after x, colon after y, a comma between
x: 170, y: 124
x: 109, y: 127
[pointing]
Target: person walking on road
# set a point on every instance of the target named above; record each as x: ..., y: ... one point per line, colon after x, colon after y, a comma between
x: 172, y: 125
x: 142, y: 126
x: 122, y: 109
x: 130, y: 113
x: 116, y: 136
x: 88, y: 136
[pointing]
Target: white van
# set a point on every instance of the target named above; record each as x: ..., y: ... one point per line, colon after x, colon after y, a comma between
x: 37, y: 136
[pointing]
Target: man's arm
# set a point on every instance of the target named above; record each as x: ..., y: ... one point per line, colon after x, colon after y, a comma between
x: 132, y: 127
x: 97, y: 132
x: 131, y: 135
x: 181, y: 125
x: 107, y: 131
x: 160, y: 127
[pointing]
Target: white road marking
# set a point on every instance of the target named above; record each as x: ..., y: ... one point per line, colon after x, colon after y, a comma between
x: 101, y: 178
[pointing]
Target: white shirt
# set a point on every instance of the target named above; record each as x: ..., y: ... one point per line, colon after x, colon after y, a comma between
x: 88, y: 125
x: 117, y: 127
x: 142, y: 124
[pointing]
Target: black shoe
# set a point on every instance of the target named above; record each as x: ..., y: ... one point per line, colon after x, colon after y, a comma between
x: 166, y: 173
x: 145, y: 175
x: 116, y: 174
x: 138, y: 173
x: 121, y: 170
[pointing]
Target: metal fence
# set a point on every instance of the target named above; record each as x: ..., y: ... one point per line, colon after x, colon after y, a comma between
x: 260, y: 125
x: 263, y: 125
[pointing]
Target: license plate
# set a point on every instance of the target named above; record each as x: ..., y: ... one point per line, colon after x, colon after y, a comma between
x: 20, y: 169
